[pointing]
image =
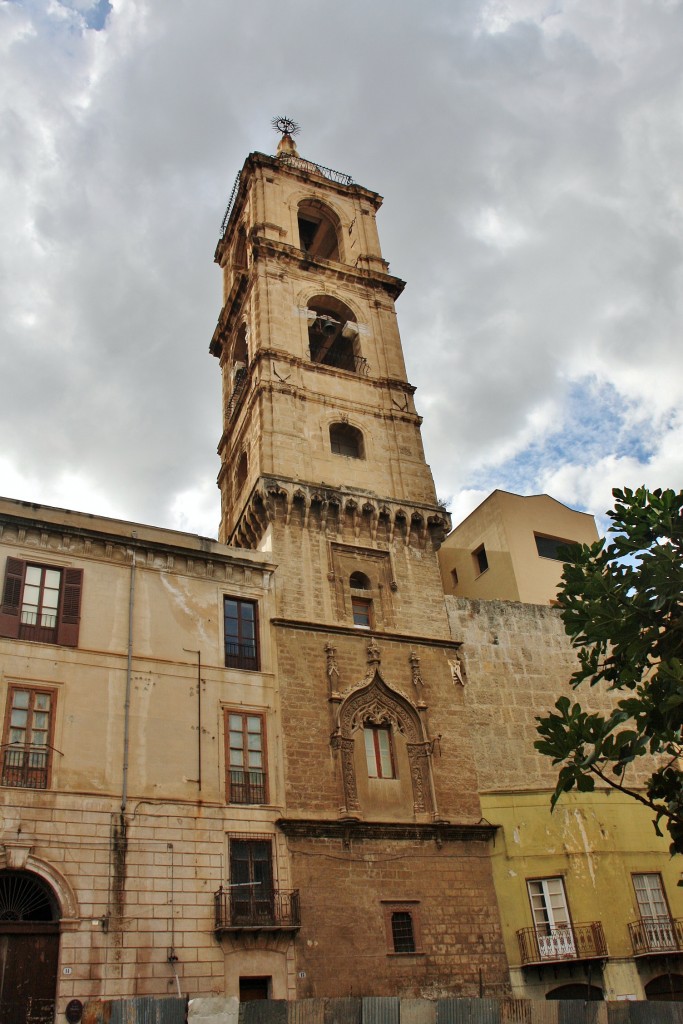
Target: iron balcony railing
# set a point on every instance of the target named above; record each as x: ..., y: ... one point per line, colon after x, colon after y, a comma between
x: 239, y: 390
x: 656, y: 935
x: 247, y: 787
x: 25, y: 767
x: 254, y: 907
x: 578, y: 942
x: 241, y: 655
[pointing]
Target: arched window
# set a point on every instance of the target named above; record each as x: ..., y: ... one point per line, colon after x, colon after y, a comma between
x: 242, y: 470
x: 346, y: 440
x: 359, y: 581
x: 318, y: 230
x: 333, y: 335
x: 240, y: 258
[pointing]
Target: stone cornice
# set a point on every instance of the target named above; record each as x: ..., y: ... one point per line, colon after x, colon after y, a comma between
x: 407, y: 638
x: 201, y: 557
x: 350, y: 830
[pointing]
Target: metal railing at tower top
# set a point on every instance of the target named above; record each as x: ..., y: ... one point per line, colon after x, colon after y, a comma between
x: 289, y: 161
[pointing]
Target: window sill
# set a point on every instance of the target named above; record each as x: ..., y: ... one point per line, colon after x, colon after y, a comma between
x: 418, y: 952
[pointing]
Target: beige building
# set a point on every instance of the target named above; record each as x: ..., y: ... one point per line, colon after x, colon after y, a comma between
x: 510, y: 548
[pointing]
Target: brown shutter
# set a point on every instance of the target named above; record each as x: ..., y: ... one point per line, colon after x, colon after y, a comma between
x: 15, y: 570
x: 70, y: 608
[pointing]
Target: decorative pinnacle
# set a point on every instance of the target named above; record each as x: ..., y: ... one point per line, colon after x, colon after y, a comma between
x: 286, y: 126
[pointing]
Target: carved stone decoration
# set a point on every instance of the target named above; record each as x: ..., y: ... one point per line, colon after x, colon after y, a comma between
x: 374, y: 653
x: 419, y: 768
x: 457, y: 671
x: 349, y: 775
x: 415, y: 670
x: 332, y: 669
x: 376, y: 702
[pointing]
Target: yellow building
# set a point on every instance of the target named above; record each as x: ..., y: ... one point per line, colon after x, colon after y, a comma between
x: 509, y: 548
x: 588, y: 895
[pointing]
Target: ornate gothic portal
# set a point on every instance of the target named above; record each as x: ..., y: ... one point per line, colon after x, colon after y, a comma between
x: 387, y: 716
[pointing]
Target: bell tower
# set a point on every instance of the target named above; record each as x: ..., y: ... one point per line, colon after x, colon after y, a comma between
x: 315, y: 395
x: 322, y: 465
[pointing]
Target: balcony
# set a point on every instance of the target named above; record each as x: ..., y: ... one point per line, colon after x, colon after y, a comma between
x: 247, y: 787
x: 274, y: 911
x: 579, y: 942
x: 25, y: 767
x: 656, y: 935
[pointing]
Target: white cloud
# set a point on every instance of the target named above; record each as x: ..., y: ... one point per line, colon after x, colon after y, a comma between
x: 529, y: 154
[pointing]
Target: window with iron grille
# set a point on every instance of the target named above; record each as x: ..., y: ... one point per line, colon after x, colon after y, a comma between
x: 402, y: 931
x: 246, y: 757
x: 402, y: 927
x: 27, y: 739
x: 41, y: 602
x: 241, y: 633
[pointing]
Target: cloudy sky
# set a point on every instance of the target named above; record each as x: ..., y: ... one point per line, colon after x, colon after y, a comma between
x: 530, y: 153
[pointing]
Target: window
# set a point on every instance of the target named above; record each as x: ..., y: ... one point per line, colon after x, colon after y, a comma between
x: 402, y: 927
x: 379, y: 751
x: 346, y: 440
x: 41, y: 602
x: 361, y: 608
x: 551, y: 919
x: 654, y: 913
x: 402, y: 931
x: 242, y: 470
x: 251, y: 881
x: 27, y: 749
x: 550, y: 547
x: 246, y: 758
x: 241, y: 633
x: 333, y: 335
x: 317, y: 232
x: 359, y: 581
x: 481, y: 562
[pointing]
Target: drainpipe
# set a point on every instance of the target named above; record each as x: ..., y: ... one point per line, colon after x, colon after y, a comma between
x: 129, y: 674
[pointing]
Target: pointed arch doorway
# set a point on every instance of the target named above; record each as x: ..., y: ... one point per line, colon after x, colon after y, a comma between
x: 29, y: 948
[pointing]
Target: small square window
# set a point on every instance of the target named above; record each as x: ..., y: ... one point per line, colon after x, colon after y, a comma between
x: 361, y: 608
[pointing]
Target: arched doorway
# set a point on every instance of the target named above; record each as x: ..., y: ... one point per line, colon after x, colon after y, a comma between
x: 578, y: 990
x: 29, y: 948
x: 666, y: 987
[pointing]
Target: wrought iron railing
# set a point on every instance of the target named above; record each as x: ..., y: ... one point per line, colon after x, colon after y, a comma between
x: 44, y: 631
x: 241, y: 655
x: 577, y: 942
x: 656, y: 935
x: 239, y: 390
x: 31, y: 1010
x: 254, y: 906
x: 308, y: 165
x: 25, y: 767
x: 247, y: 787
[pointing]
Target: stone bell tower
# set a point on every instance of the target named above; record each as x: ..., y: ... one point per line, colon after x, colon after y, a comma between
x: 322, y: 464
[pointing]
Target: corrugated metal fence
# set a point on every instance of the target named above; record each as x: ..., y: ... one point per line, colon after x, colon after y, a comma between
x: 380, y: 1010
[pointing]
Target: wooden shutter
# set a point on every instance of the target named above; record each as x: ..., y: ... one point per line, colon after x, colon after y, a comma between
x: 70, y: 607
x: 15, y: 570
